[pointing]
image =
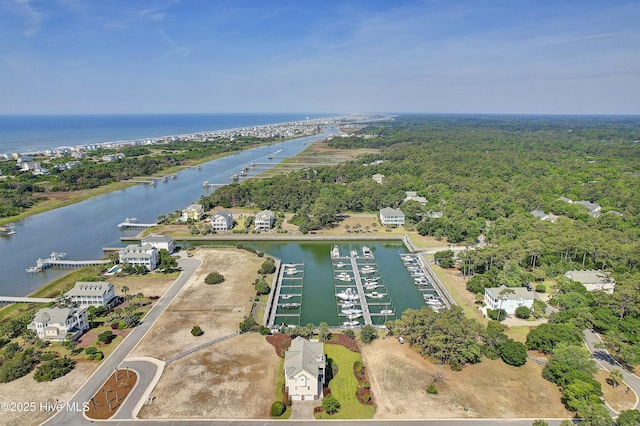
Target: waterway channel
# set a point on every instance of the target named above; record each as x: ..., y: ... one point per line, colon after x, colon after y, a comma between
x: 83, y: 229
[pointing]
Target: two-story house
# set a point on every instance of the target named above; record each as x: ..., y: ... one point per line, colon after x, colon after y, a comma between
x: 264, y: 220
x: 391, y: 217
x: 94, y: 293
x: 55, y: 324
x: 145, y: 255
x: 304, y: 369
x: 222, y: 221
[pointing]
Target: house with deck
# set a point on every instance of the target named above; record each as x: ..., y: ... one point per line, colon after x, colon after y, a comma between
x: 264, y: 220
x: 593, y: 280
x: 94, y: 293
x: 304, y: 369
x: 508, y: 298
x: 145, y: 255
x: 160, y: 242
x: 222, y: 221
x: 391, y: 217
x: 192, y: 211
x: 55, y: 323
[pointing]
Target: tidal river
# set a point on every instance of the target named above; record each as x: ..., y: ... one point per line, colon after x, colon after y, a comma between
x: 81, y: 230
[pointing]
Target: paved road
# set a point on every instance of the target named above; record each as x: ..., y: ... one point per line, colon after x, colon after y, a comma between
x: 93, y: 384
x: 606, y: 360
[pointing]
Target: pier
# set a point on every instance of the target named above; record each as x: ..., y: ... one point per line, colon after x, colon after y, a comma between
x: 59, y: 259
x: 132, y: 223
x: 11, y: 299
x: 363, y: 299
x: 287, y: 295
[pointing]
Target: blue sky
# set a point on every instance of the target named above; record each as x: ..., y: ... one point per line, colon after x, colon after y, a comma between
x: 136, y: 56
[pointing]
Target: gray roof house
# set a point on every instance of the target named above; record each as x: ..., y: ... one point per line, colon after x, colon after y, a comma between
x: 413, y: 196
x: 222, y: 221
x: 594, y: 208
x: 508, y: 298
x: 264, y: 220
x: 98, y: 293
x: 304, y: 369
x: 55, y: 323
x: 159, y: 241
x: 389, y: 216
x: 593, y: 280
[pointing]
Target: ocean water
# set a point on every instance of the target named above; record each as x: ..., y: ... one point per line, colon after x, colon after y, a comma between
x: 25, y: 133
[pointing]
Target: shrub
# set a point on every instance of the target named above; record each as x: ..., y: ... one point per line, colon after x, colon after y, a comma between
x: 214, y: 278
x: 90, y: 350
x: 523, y: 312
x: 541, y: 288
x: 350, y: 334
x: 98, y: 356
x: 48, y: 356
x: 513, y: 353
x: 330, y: 404
x: 497, y: 314
x: 106, y: 337
x: 368, y: 334
x: 278, y: 409
x: 431, y: 389
x: 53, y: 369
x: 268, y: 267
x: 115, y: 325
x: 197, y: 331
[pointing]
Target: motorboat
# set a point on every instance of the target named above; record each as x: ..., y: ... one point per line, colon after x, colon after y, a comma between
x: 375, y: 295
x: 386, y: 312
x: 290, y: 305
x: 366, y: 252
x: 286, y: 296
x: 343, y: 276
x: 351, y: 323
x: 353, y: 316
x: 335, y: 252
x: 340, y: 265
x: 371, y: 286
x: 367, y: 269
x: 291, y: 271
x: 351, y: 311
x: 348, y: 294
x: 371, y: 279
x: 346, y: 305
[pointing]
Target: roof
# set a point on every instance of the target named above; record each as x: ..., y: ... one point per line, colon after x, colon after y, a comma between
x: 512, y: 293
x: 54, y: 314
x: 589, y: 205
x: 226, y: 214
x: 539, y: 213
x: 264, y: 214
x: 304, y: 355
x: 388, y: 211
x: 590, y: 276
x: 194, y: 207
x: 156, y: 238
x: 565, y: 199
x: 97, y: 288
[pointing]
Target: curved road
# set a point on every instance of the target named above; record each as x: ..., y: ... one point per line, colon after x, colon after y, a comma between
x: 93, y: 384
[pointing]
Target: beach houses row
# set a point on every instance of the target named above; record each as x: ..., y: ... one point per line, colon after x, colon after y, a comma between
x: 223, y: 220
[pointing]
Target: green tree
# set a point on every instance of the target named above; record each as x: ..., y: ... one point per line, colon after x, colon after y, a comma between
x: 53, y: 369
x: 513, y: 353
x: 615, y: 377
x: 368, y: 334
x: 546, y: 337
x: 330, y: 404
x: 323, y: 331
x: 167, y: 262
x: 268, y: 267
x: 278, y: 409
x: 629, y: 418
x: 214, y: 278
x: 540, y: 422
x: 523, y: 312
x: 248, y: 324
x: 197, y: 331
x: 124, y: 289
x: 569, y: 363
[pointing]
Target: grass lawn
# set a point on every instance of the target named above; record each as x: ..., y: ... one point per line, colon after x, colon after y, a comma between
x: 518, y: 333
x: 344, y: 386
x: 456, y: 287
x: 279, y: 387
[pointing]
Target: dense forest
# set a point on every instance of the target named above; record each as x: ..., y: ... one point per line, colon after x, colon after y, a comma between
x: 21, y: 190
x: 486, y: 175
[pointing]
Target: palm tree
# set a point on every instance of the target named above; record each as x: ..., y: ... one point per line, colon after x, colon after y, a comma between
x: 124, y: 289
x: 140, y: 296
x: 106, y: 391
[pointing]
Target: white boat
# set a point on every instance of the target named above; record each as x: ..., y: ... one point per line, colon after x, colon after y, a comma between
x: 371, y: 279
x: 290, y: 305
x: 335, y: 252
x: 353, y: 316
x: 367, y: 269
x: 386, y: 312
x: 354, y: 253
x: 366, y: 252
x: 371, y: 286
x: 375, y: 295
x: 351, y: 311
x: 291, y: 271
x: 8, y: 229
x: 351, y: 323
x: 343, y: 276
x: 346, y: 305
x: 286, y: 296
x: 340, y: 265
x: 348, y: 294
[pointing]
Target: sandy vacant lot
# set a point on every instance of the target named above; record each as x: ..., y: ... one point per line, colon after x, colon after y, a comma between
x: 231, y: 379
x: 399, y: 378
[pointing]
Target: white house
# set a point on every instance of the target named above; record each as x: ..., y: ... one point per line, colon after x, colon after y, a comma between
x: 264, y: 220
x: 389, y: 216
x: 160, y: 242
x: 413, y: 196
x: 192, y: 211
x: 55, y: 323
x: 98, y: 293
x: 378, y: 178
x: 304, y: 369
x: 593, y: 280
x: 508, y: 298
x: 145, y: 255
x: 222, y: 221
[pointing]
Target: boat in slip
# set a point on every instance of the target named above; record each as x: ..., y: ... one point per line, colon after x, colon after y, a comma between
x: 432, y: 300
x: 351, y: 311
x: 375, y: 295
x: 348, y: 294
x: 8, y: 229
x: 353, y: 316
x: 286, y: 296
x: 366, y: 252
x: 367, y: 269
x: 371, y: 286
x: 370, y: 280
x: 290, y: 305
x: 343, y: 276
x: 386, y: 312
x: 335, y: 252
x: 340, y: 265
x: 290, y: 270
x: 351, y: 323
x: 421, y: 281
x: 346, y: 305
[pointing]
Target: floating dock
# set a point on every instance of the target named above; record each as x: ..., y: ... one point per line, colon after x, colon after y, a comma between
x: 286, y: 305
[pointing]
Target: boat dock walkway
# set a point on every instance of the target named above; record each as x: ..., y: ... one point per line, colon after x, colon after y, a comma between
x: 59, y: 259
x: 132, y: 223
x: 278, y: 295
x: 363, y: 299
x: 11, y: 299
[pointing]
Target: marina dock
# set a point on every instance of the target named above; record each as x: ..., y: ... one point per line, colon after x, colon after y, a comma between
x: 59, y: 259
x: 363, y: 299
x: 132, y: 223
x: 287, y: 295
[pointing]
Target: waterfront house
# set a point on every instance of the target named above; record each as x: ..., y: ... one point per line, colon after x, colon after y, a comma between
x: 55, y: 323
x: 264, y: 220
x: 222, y: 221
x: 378, y: 178
x: 508, y: 298
x: 593, y: 280
x: 145, y: 255
x: 160, y: 242
x: 389, y: 216
x: 413, y: 196
x: 304, y: 369
x: 94, y: 293
x: 192, y: 211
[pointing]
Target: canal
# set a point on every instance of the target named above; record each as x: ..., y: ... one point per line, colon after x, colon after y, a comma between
x: 82, y: 230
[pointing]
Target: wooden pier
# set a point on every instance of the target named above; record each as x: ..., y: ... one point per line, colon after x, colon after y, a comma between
x: 363, y: 299
x: 277, y: 301
x: 132, y: 223
x: 11, y: 299
x: 59, y: 259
